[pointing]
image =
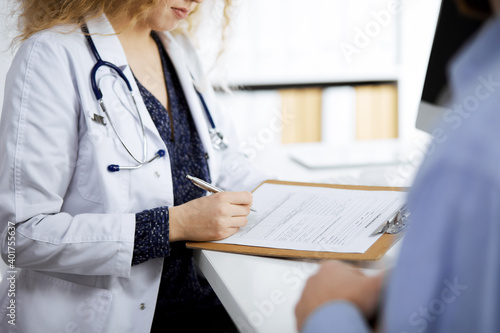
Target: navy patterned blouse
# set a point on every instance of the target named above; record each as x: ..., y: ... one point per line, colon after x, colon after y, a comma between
x: 181, y: 289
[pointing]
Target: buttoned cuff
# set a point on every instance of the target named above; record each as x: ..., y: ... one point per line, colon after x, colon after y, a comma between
x: 151, y: 235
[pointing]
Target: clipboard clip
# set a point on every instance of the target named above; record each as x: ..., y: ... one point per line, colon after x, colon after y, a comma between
x: 395, y: 224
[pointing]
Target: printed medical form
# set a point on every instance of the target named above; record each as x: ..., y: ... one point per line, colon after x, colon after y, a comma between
x: 316, y: 218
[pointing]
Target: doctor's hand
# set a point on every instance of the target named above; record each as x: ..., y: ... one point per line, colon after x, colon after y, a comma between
x: 213, y: 217
x: 339, y: 281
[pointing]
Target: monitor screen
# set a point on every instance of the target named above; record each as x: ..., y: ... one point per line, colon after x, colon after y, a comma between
x: 452, y: 31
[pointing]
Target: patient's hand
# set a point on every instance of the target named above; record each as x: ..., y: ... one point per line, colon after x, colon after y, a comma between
x: 339, y: 281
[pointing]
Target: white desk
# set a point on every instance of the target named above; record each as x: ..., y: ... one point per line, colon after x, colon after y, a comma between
x: 260, y: 293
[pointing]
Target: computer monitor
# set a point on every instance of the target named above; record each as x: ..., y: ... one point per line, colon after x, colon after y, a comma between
x: 452, y: 31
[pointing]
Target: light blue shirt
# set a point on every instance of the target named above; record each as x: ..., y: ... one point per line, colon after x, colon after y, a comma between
x: 447, y: 278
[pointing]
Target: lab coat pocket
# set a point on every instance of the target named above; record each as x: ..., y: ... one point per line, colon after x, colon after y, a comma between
x: 95, y: 183
x: 89, y: 190
x: 50, y: 304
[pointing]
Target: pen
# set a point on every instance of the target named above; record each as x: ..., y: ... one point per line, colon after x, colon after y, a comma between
x: 208, y: 187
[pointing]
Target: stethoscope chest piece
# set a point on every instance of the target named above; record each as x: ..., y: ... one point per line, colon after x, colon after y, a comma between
x: 218, y: 141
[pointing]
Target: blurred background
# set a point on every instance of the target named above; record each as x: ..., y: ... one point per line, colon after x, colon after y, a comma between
x: 312, y: 81
x: 344, y: 70
x: 326, y: 84
x: 347, y: 70
x: 317, y: 88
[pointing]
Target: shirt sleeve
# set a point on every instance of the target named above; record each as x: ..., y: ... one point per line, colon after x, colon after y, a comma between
x: 338, y: 316
x: 151, y: 235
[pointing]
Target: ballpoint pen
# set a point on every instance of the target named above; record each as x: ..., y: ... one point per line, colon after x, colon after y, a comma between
x: 208, y: 187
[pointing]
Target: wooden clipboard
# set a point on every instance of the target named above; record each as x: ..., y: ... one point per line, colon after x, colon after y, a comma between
x: 375, y: 252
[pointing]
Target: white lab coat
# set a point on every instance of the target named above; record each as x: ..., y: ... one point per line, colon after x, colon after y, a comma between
x: 75, y: 221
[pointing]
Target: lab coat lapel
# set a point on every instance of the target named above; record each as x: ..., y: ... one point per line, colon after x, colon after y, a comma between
x: 177, y: 57
x: 111, y: 50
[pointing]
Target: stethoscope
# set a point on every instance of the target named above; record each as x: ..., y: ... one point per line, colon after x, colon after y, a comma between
x: 218, y: 140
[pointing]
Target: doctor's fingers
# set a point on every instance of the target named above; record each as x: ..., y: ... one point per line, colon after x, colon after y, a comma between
x: 229, y: 227
x: 238, y: 222
x: 239, y: 210
x: 238, y: 198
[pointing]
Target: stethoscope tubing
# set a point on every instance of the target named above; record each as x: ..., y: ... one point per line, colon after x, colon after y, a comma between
x: 99, y: 96
x: 205, y: 108
x: 218, y: 140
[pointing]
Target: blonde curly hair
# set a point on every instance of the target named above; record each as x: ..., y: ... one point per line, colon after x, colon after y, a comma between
x: 36, y: 15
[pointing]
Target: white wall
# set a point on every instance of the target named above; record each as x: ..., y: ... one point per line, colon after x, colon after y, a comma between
x: 416, y: 32
x: 283, y: 41
x: 301, y: 43
x: 418, y: 23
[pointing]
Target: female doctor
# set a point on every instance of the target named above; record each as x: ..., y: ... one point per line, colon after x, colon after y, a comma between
x: 104, y: 116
